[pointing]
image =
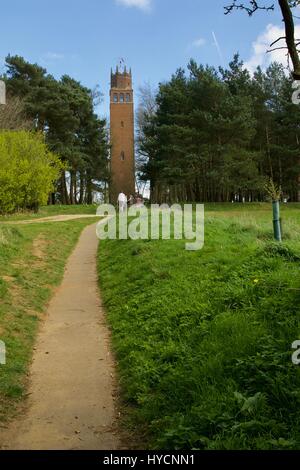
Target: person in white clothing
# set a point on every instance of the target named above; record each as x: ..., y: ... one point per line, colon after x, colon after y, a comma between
x: 122, y: 201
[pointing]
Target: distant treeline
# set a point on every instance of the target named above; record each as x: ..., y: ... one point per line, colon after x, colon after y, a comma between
x: 63, y: 111
x: 218, y: 135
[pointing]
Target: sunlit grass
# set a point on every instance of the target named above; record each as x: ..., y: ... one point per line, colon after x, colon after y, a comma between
x: 203, y: 339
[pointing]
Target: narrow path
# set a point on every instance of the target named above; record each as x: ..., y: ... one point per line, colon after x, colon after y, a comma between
x: 71, y: 394
x: 52, y: 218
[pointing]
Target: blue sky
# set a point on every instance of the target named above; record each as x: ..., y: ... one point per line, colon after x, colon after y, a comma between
x: 85, y: 38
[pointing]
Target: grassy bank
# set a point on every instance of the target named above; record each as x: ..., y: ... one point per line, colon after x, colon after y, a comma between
x: 32, y: 261
x: 203, y: 339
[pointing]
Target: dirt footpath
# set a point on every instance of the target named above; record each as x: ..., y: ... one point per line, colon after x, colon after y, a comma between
x: 52, y: 218
x: 71, y: 395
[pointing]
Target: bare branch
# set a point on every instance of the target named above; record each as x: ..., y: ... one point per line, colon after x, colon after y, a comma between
x: 277, y: 40
x: 251, y: 9
x: 12, y: 115
x: 276, y: 49
x: 290, y: 35
x: 288, y: 18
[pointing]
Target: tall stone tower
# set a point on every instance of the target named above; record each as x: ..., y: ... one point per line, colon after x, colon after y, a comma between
x: 121, y: 134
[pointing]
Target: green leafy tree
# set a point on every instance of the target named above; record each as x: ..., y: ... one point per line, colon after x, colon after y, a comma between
x: 64, y: 111
x: 28, y: 170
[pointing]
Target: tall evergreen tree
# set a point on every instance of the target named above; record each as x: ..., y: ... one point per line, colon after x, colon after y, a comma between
x: 218, y: 135
x: 64, y: 111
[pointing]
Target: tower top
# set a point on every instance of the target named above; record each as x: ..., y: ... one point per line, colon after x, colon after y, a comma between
x: 121, y: 78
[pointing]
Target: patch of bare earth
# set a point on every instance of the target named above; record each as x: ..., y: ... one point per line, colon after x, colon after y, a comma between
x: 39, y: 248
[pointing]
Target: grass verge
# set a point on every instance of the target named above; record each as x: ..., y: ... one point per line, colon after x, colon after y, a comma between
x: 203, y: 339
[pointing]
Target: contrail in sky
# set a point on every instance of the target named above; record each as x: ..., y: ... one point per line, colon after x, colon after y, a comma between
x: 218, y: 48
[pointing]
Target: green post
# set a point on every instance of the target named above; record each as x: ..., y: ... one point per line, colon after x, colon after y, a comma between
x: 276, y: 221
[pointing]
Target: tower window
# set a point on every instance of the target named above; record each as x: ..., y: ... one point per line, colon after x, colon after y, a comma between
x: 122, y: 156
x: 127, y: 97
x: 115, y: 98
x: 121, y: 97
x: 122, y: 123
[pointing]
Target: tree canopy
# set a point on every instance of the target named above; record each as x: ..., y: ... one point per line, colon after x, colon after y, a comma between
x: 28, y: 170
x: 217, y: 135
x: 63, y: 110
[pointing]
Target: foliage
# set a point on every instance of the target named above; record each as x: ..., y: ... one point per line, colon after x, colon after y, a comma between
x: 64, y: 111
x: 216, y: 135
x: 273, y: 191
x: 28, y: 170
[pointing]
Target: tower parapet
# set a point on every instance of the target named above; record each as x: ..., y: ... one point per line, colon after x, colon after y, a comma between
x: 121, y: 79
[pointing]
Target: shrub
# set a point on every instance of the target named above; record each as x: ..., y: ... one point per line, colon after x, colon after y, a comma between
x: 27, y: 170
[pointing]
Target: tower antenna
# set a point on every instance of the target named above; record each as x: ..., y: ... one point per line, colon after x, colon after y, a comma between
x: 121, y: 63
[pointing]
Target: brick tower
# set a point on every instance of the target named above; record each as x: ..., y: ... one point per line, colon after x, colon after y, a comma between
x: 121, y: 135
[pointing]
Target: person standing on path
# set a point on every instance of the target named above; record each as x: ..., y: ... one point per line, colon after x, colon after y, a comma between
x: 122, y: 201
x: 130, y: 200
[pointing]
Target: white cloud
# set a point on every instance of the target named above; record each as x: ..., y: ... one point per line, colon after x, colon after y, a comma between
x: 198, y: 42
x: 261, y: 45
x: 142, y: 4
x: 53, y: 56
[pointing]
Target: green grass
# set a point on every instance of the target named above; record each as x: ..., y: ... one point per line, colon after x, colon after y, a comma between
x: 32, y: 261
x: 48, y: 211
x: 203, y: 339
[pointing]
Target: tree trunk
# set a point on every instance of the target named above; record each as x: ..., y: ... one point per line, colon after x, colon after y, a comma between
x: 64, y: 191
x: 269, y: 152
x: 290, y: 36
x: 81, y: 190
x: 72, y: 195
x: 89, y: 190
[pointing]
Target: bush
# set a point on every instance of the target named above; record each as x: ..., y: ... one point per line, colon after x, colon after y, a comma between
x: 27, y: 170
